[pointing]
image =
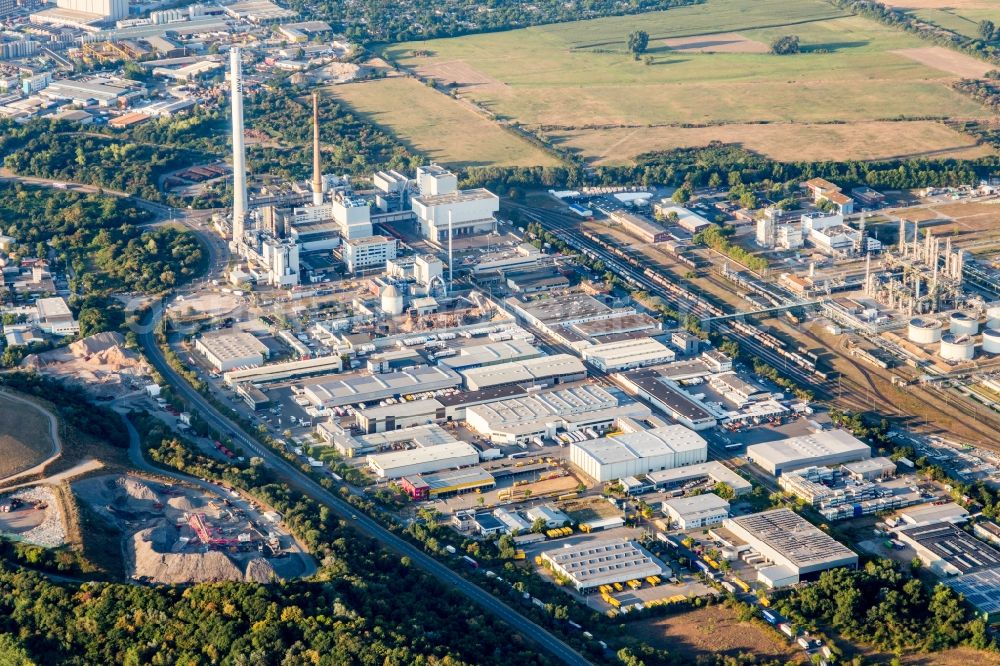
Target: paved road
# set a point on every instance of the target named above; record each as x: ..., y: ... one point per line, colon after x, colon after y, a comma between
x: 548, y: 642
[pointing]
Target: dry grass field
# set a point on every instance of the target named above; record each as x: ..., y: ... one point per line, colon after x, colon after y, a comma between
x: 782, y: 141
x: 974, y: 226
x: 946, y: 60
x: 25, y: 440
x: 433, y: 124
x: 709, y: 78
x: 714, y: 630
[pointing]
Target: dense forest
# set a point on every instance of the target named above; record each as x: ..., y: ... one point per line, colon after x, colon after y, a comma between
x: 728, y: 165
x: 101, y: 242
x: 379, y: 21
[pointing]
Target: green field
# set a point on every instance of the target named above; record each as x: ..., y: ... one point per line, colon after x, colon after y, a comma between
x: 964, y: 21
x: 576, y: 76
x: 437, y: 126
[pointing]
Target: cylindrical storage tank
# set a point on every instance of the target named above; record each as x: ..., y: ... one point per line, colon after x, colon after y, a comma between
x: 991, y: 340
x: 993, y: 317
x: 962, y: 323
x: 923, y: 331
x: 957, y: 347
x: 392, y: 300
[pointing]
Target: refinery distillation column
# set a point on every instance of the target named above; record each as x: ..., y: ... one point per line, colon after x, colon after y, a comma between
x: 239, y: 152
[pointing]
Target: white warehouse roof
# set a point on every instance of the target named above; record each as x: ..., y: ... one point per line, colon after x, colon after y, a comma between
x: 827, y: 447
x: 524, y: 372
x: 639, y: 452
x: 590, y: 565
x: 624, y: 354
x: 423, y: 460
x: 366, y: 388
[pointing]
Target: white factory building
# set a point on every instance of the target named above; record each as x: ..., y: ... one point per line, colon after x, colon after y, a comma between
x: 590, y: 565
x: 825, y: 448
x: 368, y: 253
x: 635, y: 453
x: 494, y: 353
x: 628, y: 354
x: 795, y: 548
x: 357, y: 389
x: 424, y: 460
x: 440, y: 204
x: 403, y: 414
x: 228, y: 349
x: 543, y: 371
x: 696, y: 511
x: 521, y: 419
x: 54, y: 316
x: 350, y: 445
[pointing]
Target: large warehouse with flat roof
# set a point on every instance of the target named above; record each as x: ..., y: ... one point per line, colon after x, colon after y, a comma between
x: 667, y: 396
x: 798, y: 549
x: 627, y: 354
x: 592, y: 564
x: 820, y: 449
x: 423, y: 460
x: 372, y: 388
x: 544, y: 371
x: 639, y: 452
x: 227, y: 349
x: 522, y: 418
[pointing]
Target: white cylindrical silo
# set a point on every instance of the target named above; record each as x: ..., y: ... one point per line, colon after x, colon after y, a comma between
x: 392, y: 301
x: 923, y: 331
x: 993, y: 317
x: 991, y: 340
x: 962, y: 323
x: 957, y: 347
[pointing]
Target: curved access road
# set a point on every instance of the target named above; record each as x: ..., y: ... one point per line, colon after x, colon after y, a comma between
x: 545, y: 640
x: 56, y: 449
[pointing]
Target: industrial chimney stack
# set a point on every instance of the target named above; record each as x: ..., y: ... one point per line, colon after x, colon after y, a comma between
x: 317, y: 184
x: 239, y: 151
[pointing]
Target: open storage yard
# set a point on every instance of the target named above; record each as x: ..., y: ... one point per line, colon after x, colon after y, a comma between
x: 438, y: 126
x: 715, y: 630
x: 164, y: 527
x: 560, y: 79
x: 25, y: 435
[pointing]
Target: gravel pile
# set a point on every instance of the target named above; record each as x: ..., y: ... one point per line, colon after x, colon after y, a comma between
x: 51, y: 532
x: 260, y: 570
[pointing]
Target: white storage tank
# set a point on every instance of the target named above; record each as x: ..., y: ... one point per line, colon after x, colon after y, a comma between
x: 924, y: 331
x: 991, y: 340
x: 957, y: 347
x: 392, y: 300
x: 963, y: 323
x: 993, y: 317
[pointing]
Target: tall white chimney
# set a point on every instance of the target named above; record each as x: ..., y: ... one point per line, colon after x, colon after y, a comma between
x: 317, y: 184
x: 239, y: 151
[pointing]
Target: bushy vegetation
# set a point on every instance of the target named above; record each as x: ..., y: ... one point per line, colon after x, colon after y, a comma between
x: 899, y: 18
x: 880, y: 605
x: 786, y: 45
x: 726, y: 163
x: 717, y: 238
x: 371, y: 21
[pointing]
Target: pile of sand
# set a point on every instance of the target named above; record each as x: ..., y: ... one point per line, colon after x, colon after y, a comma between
x: 260, y: 570
x: 97, y: 359
x: 134, y: 494
x: 184, y: 503
x: 165, y: 567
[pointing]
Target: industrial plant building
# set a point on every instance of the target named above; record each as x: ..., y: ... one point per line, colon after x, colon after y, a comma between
x: 666, y: 395
x: 627, y: 354
x: 823, y: 448
x: 796, y: 548
x: 524, y: 418
x: 642, y: 452
x: 696, y: 511
x: 544, y: 371
x: 404, y: 414
x: 368, y: 388
x: 422, y: 460
x: 947, y: 550
x: 590, y: 565
x: 228, y: 349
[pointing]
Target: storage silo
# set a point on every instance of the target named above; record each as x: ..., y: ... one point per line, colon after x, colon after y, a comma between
x: 991, y: 340
x: 962, y: 323
x: 957, y: 347
x: 993, y: 317
x: 924, y: 330
x: 392, y: 301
